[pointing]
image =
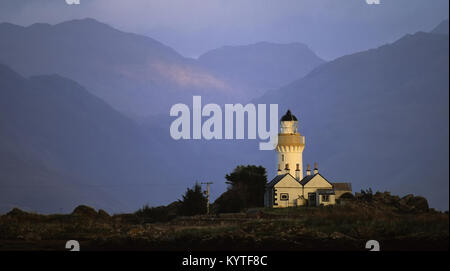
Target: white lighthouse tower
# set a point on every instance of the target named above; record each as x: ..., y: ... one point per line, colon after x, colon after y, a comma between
x: 290, y: 147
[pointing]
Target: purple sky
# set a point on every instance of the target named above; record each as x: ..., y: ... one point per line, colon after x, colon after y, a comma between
x: 331, y: 28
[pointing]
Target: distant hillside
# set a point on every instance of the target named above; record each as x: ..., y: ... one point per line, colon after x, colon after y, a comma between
x: 136, y: 74
x: 141, y: 76
x: 61, y: 146
x: 442, y: 28
x: 30, y: 185
x: 379, y: 118
x: 261, y: 66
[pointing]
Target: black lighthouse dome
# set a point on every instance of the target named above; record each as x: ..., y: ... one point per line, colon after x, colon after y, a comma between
x: 289, y: 117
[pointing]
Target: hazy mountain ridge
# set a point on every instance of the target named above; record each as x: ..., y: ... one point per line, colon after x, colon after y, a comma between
x: 136, y: 74
x: 377, y: 118
x: 385, y: 111
x: 123, y: 69
x: 442, y: 28
x: 53, y: 127
x: 364, y: 116
x: 262, y: 65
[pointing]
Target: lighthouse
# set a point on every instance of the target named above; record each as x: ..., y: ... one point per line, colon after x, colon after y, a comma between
x: 289, y: 188
x: 290, y: 147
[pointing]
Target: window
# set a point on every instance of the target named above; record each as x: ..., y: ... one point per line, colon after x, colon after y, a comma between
x: 282, y: 157
x: 275, y: 197
x: 284, y: 196
x: 325, y: 198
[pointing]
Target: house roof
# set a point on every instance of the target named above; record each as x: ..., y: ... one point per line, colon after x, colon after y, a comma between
x: 342, y: 186
x: 277, y: 179
x: 308, y: 178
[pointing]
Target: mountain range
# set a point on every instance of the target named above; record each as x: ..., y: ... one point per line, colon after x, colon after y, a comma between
x: 260, y: 66
x: 377, y: 118
x: 442, y: 28
x: 62, y: 146
x: 140, y: 76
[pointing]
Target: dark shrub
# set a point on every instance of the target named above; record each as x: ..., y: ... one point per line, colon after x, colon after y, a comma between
x: 194, y: 202
x: 250, y: 183
x: 149, y: 214
x: 229, y: 202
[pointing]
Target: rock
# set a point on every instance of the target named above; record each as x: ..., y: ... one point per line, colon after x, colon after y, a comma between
x: 15, y: 212
x: 103, y: 214
x: 386, y: 198
x: 419, y: 203
x: 85, y: 211
x: 407, y: 198
x: 18, y: 214
x: 413, y: 203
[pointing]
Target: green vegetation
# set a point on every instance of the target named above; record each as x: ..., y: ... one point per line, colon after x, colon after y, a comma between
x: 149, y: 214
x: 194, y: 202
x: 246, y: 189
x: 397, y: 223
x: 238, y: 222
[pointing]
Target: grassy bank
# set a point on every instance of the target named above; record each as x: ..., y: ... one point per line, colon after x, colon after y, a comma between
x: 396, y: 225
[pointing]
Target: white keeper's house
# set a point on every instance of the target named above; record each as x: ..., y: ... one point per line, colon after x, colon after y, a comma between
x: 290, y: 188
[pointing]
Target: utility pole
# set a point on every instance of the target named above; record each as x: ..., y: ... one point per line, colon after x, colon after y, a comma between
x: 207, y: 196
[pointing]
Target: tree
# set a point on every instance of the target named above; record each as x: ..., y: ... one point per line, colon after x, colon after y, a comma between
x: 194, y: 202
x: 246, y: 189
x: 229, y: 202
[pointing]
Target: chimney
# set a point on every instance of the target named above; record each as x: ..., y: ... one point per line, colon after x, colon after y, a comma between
x: 316, y: 170
x: 279, y: 170
x: 286, y: 169
x: 308, y: 170
x: 297, y: 172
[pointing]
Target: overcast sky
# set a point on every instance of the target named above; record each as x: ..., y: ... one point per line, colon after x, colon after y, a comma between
x: 331, y: 28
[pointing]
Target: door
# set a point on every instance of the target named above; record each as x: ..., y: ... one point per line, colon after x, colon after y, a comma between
x: 312, y: 199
